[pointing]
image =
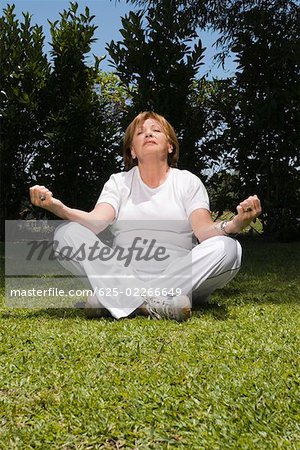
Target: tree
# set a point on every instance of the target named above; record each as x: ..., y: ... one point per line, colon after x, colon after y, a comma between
x: 159, y: 66
x: 24, y: 74
x: 83, y: 125
x: 263, y: 114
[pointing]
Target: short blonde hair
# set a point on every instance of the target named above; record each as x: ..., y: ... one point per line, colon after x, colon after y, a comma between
x: 167, y: 129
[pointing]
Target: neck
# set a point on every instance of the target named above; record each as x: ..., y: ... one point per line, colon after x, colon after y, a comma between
x: 154, y: 175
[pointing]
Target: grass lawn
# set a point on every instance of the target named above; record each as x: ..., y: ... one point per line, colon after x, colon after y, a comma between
x: 228, y: 378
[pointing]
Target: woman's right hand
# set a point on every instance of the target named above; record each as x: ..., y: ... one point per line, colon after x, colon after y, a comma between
x: 96, y: 220
x: 42, y: 197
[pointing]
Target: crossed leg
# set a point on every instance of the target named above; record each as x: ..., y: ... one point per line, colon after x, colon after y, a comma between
x: 209, y: 266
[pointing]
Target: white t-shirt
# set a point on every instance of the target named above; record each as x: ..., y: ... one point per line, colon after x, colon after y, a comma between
x: 159, y: 213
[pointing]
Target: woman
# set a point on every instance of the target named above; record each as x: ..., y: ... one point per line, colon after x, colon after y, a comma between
x: 155, y: 205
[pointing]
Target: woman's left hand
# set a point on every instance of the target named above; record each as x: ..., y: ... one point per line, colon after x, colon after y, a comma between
x: 247, y: 211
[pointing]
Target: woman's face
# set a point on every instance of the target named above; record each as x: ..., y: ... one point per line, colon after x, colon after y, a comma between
x: 150, y: 142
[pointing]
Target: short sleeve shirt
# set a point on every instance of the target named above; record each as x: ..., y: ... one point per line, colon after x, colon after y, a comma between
x: 161, y: 213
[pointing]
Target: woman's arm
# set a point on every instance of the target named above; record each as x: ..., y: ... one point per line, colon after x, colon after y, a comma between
x: 96, y: 220
x: 204, y: 227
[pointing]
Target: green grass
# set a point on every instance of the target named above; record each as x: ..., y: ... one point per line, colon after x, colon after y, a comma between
x: 228, y: 378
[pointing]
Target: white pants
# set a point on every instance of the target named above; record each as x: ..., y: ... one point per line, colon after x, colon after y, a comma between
x: 209, y: 266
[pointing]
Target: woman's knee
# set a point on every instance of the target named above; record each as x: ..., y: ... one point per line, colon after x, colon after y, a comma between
x: 225, y: 249
x: 231, y: 251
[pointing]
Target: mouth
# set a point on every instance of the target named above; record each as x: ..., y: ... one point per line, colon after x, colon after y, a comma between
x: 149, y: 142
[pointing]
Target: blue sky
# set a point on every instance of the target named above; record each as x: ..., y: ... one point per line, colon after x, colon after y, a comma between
x: 108, y: 19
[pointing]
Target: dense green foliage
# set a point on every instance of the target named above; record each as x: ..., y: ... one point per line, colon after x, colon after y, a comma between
x: 262, y: 110
x: 24, y: 74
x: 227, y: 378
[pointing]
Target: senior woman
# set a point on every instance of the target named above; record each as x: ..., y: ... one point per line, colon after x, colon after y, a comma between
x: 151, y: 206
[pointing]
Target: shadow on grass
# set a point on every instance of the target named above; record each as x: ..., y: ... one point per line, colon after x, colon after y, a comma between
x: 214, y: 310
x: 55, y: 313
x: 218, y: 312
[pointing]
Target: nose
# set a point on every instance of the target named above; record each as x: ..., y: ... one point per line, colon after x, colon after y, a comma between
x: 148, y: 134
